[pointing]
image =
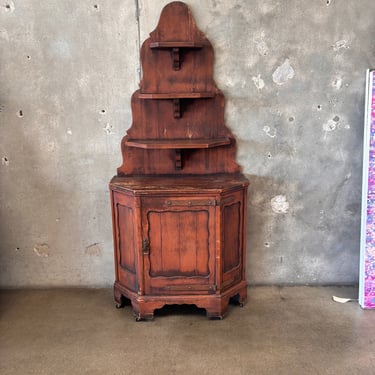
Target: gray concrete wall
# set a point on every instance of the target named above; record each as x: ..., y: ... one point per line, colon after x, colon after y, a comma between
x: 293, y: 73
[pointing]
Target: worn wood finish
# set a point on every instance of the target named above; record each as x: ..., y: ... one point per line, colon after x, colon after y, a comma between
x: 201, y: 121
x: 179, y: 199
x: 191, y: 240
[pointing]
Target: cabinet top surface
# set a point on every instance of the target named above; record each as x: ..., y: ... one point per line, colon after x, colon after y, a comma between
x: 213, y: 183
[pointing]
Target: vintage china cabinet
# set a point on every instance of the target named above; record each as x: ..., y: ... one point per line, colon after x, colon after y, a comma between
x: 179, y: 198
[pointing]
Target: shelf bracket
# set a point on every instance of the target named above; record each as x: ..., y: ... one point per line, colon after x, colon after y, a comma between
x: 176, y: 108
x: 178, y: 159
x: 176, y: 58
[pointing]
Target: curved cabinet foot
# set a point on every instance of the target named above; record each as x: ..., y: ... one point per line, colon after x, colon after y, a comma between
x: 144, y: 317
x: 120, y: 305
x: 240, y: 298
x: 120, y: 299
x: 215, y: 317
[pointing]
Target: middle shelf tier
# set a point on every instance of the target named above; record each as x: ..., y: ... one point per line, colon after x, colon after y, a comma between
x: 177, y: 143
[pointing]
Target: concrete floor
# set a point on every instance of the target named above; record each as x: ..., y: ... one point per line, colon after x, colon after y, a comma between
x: 282, y: 330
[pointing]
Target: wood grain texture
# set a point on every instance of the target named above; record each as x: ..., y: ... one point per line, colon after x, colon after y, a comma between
x: 175, y: 105
x: 179, y: 198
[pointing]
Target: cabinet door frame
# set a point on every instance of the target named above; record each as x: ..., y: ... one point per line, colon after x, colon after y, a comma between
x: 170, y: 205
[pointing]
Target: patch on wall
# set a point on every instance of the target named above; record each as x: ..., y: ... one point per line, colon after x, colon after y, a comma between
x: 283, y: 73
x: 42, y: 250
x: 94, y: 250
x: 279, y: 204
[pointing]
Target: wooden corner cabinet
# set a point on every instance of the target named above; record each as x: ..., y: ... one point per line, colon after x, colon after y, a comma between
x: 179, y: 198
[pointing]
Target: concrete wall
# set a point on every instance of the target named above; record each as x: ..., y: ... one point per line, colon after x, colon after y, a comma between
x: 293, y: 73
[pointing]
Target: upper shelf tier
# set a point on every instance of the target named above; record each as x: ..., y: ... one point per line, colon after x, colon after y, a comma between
x: 177, y: 144
x: 177, y: 95
x: 183, y: 44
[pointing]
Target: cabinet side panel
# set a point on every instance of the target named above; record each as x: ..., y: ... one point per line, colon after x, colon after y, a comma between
x: 231, y: 236
x: 126, y: 238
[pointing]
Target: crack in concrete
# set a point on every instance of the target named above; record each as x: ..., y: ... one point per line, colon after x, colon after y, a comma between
x: 137, y: 18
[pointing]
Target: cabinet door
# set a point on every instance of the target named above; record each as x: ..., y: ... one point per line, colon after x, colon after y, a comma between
x: 179, y: 245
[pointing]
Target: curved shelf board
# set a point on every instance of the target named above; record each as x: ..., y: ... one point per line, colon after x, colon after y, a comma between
x: 170, y: 44
x: 177, y: 95
x: 177, y: 144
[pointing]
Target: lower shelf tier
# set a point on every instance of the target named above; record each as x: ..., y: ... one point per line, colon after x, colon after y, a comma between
x: 216, y: 305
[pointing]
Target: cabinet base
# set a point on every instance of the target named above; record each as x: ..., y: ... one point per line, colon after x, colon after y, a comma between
x: 216, y: 305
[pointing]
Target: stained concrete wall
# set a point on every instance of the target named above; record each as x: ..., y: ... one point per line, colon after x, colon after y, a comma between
x: 293, y: 73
